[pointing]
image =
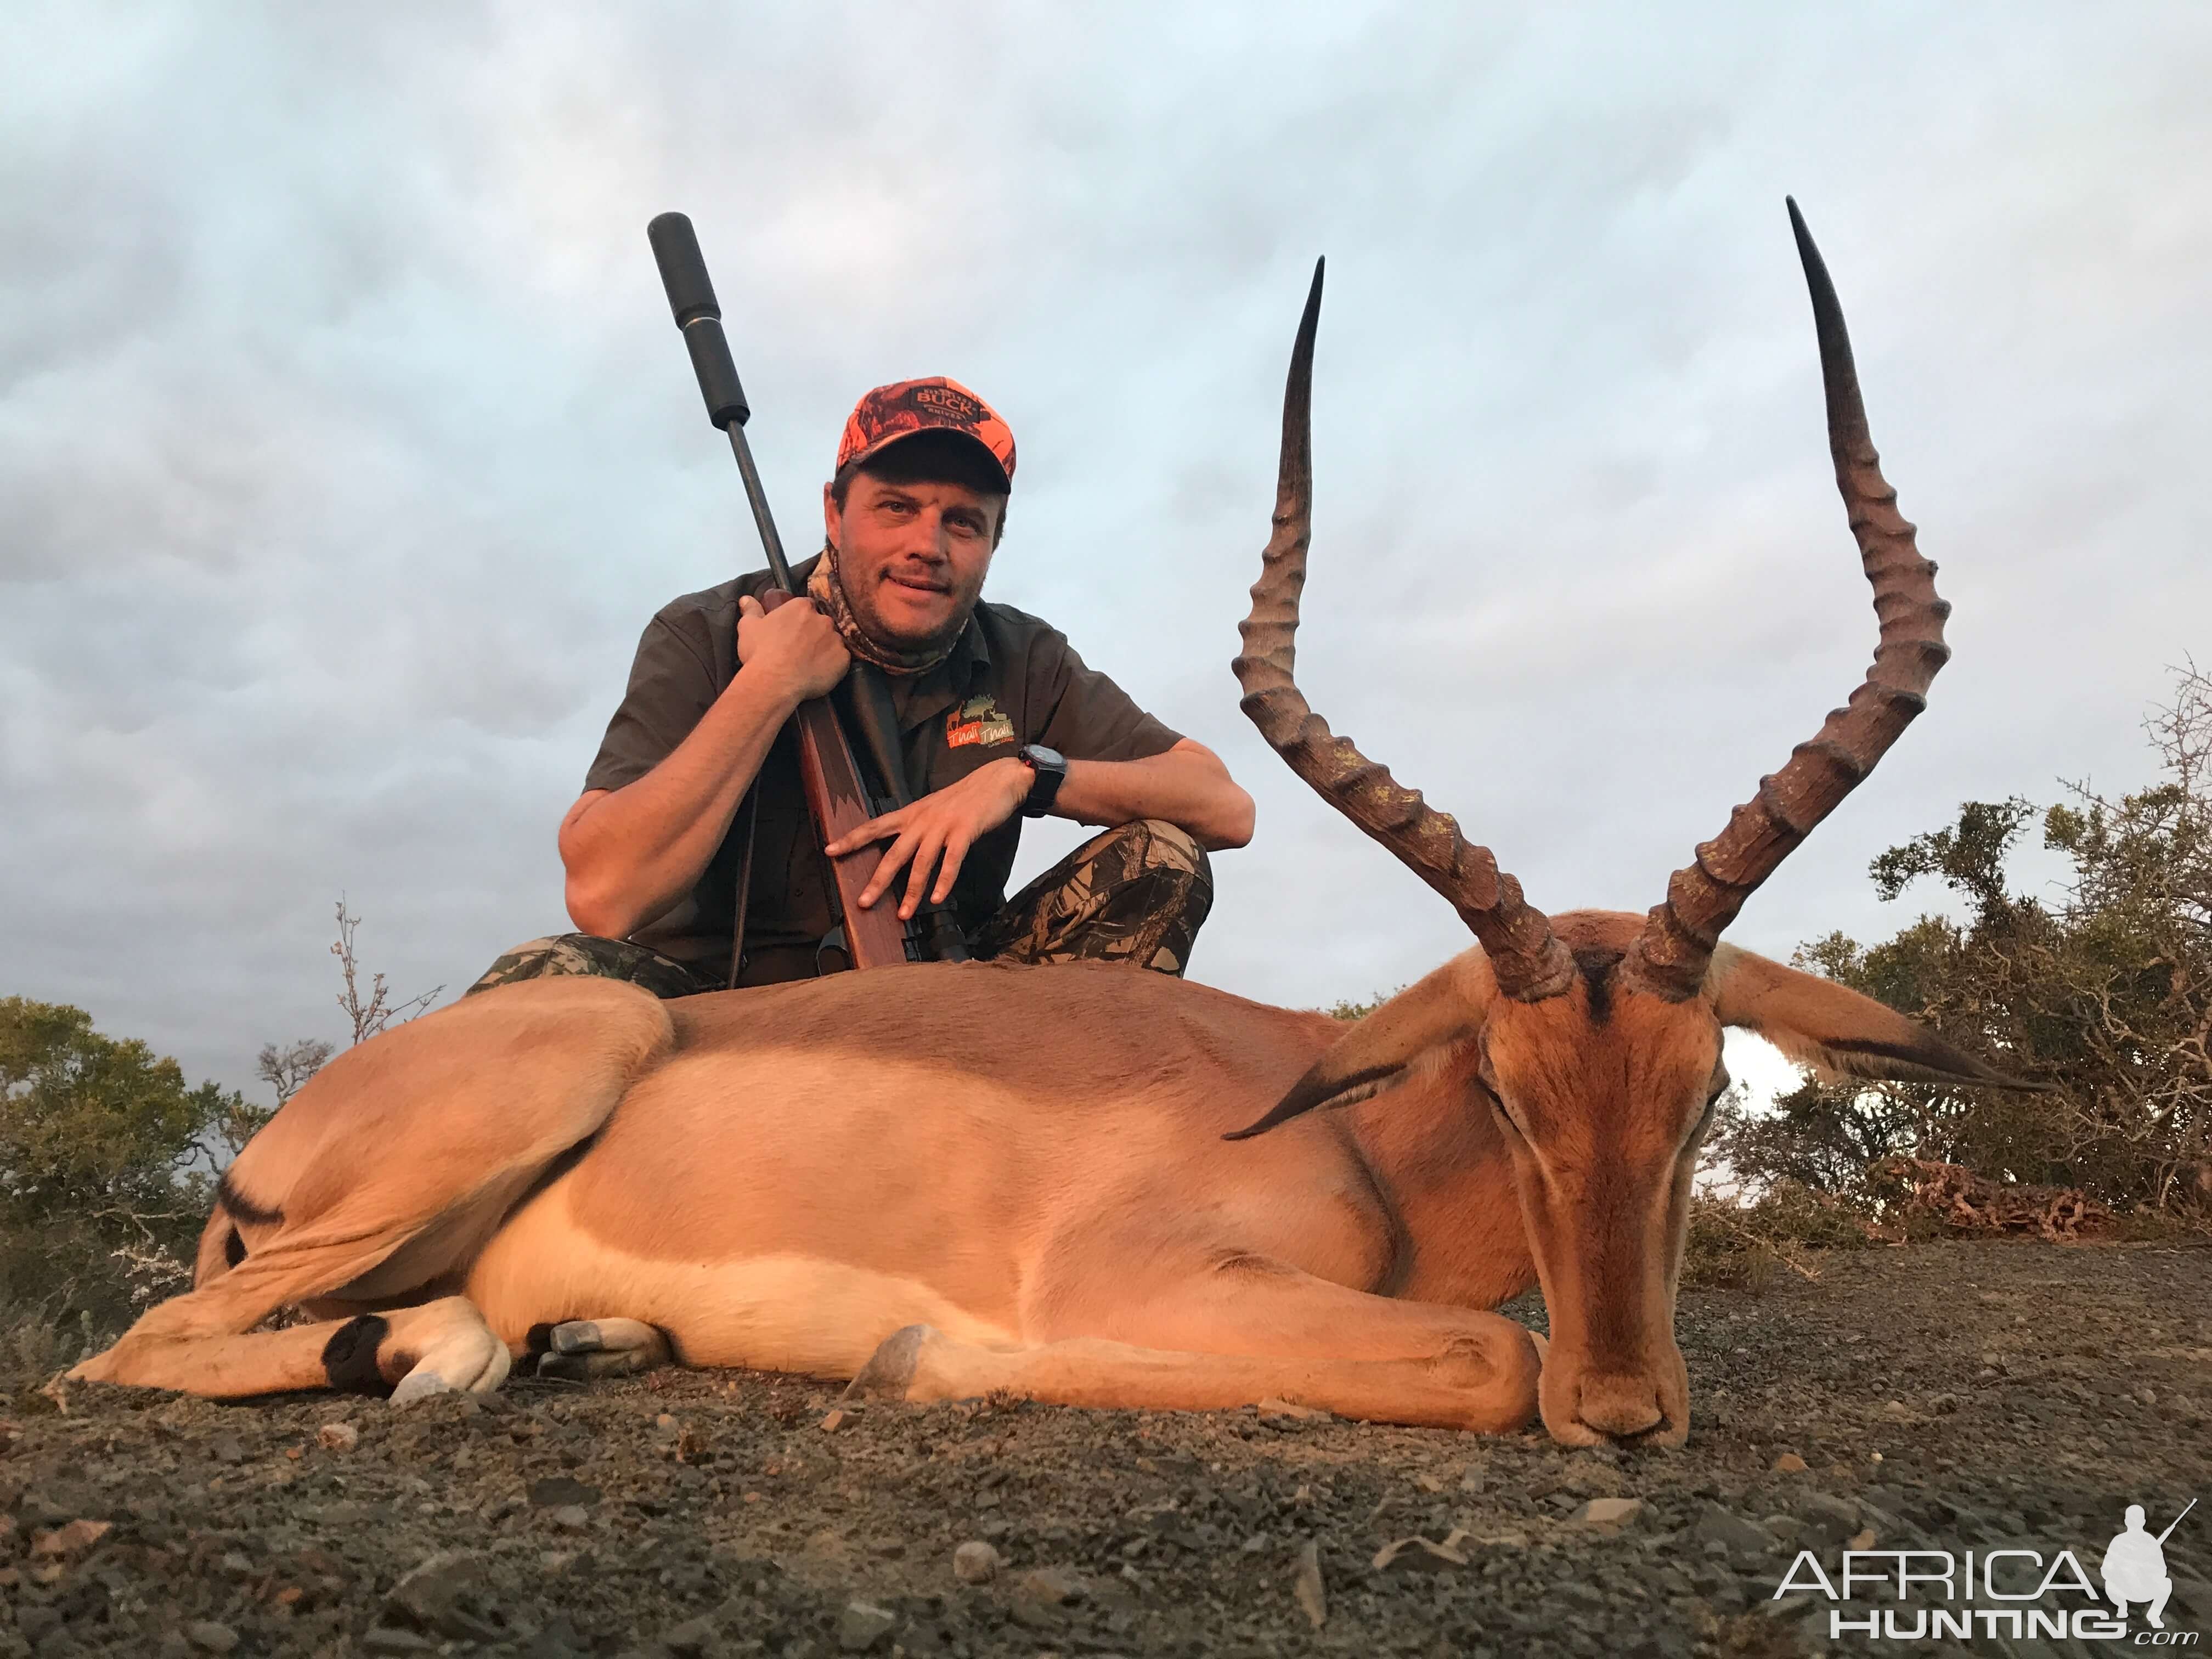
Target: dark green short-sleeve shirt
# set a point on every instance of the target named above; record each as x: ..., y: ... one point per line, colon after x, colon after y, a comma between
x: 1012, y: 679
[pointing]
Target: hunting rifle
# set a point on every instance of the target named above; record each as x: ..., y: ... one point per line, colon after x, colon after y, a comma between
x: 837, y: 796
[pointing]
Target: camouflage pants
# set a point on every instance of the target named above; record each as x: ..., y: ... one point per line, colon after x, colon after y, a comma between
x: 1138, y: 893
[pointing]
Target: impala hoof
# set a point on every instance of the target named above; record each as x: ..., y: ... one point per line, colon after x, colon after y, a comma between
x: 578, y: 1350
x: 420, y: 1383
x: 889, y: 1370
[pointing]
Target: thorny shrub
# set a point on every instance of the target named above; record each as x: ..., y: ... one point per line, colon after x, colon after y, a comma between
x: 2101, y: 990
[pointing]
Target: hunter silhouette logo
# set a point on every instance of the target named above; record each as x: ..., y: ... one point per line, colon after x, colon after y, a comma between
x: 2018, y: 1593
x: 2135, y: 1566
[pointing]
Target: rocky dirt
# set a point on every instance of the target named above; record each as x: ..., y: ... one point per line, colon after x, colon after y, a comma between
x: 1954, y: 1396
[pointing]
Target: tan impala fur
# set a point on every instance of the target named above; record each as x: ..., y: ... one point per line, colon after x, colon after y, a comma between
x: 1087, y: 1184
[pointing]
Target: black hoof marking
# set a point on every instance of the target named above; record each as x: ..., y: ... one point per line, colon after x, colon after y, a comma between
x: 889, y: 1370
x: 349, y: 1357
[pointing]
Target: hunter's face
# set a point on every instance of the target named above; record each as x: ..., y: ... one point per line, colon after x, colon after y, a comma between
x: 912, y: 556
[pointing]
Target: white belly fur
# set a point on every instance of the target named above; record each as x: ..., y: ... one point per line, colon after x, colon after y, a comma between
x: 777, y: 1312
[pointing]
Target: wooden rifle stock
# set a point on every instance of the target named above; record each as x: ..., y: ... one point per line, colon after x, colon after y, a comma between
x: 838, y: 803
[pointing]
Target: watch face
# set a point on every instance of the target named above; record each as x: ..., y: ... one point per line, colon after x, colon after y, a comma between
x: 1047, y: 768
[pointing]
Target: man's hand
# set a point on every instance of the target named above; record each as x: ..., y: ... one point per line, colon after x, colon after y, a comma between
x: 793, y: 650
x: 942, y: 826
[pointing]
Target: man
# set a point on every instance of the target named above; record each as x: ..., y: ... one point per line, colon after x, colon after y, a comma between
x: 2134, y: 1568
x: 997, y: 718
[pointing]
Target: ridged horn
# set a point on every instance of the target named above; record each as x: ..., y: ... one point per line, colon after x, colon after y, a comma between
x: 1529, y: 961
x: 1671, y: 955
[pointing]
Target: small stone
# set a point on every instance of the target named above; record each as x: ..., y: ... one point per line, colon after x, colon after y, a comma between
x: 830, y: 1425
x: 1428, y: 1483
x: 1417, y: 1555
x: 1312, y: 1598
x: 2149, y: 1396
x: 560, y: 1491
x: 1729, y: 1533
x: 863, y: 1627
x: 572, y: 1516
x: 337, y: 1437
x: 35, y: 1508
x: 1272, y: 1408
x: 1896, y: 1411
x: 1944, y: 1404
x: 34, y: 1623
x: 391, y: 1640
x: 73, y: 1538
x: 449, y: 1593
x: 1790, y: 1463
x: 1609, y: 1512
x: 975, y: 1563
x: 1471, y: 1481
x: 1050, y: 1585
x: 1861, y: 1540
x: 666, y: 1423
x: 210, y: 1637
x: 690, y: 1639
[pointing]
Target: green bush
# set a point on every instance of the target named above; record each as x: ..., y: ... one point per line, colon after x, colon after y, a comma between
x: 105, y: 1153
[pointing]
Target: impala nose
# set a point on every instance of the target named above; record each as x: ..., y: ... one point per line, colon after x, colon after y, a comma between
x: 1622, y: 1407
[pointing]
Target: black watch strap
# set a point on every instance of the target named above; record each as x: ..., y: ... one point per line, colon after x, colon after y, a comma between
x: 1048, y: 771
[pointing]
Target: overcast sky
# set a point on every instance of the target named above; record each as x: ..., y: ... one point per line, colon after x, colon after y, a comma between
x: 346, y: 444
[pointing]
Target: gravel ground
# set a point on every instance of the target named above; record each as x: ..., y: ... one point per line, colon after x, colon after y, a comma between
x: 1951, y: 1396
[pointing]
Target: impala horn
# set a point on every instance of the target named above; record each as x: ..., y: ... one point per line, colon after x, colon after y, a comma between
x: 1670, y: 955
x: 1528, y: 959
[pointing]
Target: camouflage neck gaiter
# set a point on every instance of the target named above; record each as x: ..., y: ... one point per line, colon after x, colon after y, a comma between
x: 830, y: 593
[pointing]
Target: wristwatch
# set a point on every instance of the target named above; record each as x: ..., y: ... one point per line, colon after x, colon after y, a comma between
x: 1048, y: 770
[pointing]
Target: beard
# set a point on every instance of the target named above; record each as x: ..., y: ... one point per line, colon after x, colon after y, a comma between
x: 897, y: 649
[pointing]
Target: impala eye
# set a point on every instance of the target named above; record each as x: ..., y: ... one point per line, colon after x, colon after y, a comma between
x: 1498, y: 1109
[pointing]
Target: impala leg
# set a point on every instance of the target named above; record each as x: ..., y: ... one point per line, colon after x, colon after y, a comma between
x: 436, y: 1347
x: 379, y: 1183
x: 1238, y: 1335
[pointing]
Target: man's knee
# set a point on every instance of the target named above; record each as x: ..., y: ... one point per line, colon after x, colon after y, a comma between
x: 1150, y: 844
x: 1172, y: 847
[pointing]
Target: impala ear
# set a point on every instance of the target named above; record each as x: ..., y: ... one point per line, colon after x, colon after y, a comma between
x: 1413, y: 1031
x: 1834, y: 1030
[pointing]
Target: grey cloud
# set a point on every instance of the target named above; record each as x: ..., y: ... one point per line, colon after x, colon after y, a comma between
x: 345, y: 445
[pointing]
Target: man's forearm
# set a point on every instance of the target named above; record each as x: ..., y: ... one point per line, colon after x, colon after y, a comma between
x: 1187, y: 785
x: 633, y: 852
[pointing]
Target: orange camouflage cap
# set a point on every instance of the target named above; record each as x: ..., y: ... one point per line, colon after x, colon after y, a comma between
x: 901, y: 410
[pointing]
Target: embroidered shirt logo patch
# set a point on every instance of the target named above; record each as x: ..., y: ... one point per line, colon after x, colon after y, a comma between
x: 978, y: 721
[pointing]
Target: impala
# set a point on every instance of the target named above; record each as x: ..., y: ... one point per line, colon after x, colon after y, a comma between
x: 1086, y: 1184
